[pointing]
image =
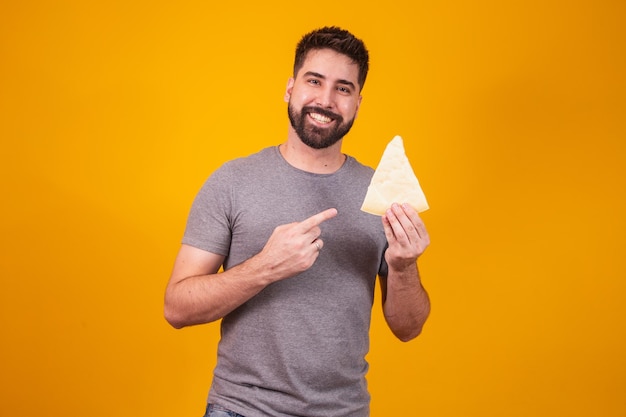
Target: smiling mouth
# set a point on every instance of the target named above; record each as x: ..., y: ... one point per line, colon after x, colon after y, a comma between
x: 320, y: 118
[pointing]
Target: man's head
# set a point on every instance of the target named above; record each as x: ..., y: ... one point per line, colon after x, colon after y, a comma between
x: 324, y: 93
x: 339, y: 40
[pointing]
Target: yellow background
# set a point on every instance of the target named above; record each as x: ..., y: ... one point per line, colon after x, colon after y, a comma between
x: 112, y: 114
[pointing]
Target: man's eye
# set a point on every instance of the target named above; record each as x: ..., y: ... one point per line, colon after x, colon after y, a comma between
x: 314, y: 82
x: 345, y: 90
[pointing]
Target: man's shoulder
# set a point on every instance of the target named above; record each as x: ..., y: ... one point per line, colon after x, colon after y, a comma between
x: 248, y: 163
x: 264, y: 155
x: 356, y: 165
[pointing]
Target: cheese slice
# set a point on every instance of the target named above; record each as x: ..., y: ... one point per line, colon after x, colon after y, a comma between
x: 394, y: 182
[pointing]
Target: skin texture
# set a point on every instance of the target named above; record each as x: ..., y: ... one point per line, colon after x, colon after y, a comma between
x: 324, y: 97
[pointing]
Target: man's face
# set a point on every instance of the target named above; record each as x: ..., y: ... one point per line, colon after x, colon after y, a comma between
x: 323, y: 98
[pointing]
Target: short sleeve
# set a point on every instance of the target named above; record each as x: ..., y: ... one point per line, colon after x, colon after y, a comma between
x: 209, y: 222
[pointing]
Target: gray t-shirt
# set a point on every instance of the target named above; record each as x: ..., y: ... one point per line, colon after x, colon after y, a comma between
x: 298, y: 347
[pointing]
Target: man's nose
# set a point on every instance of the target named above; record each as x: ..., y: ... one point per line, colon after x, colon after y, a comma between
x: 326, y: 97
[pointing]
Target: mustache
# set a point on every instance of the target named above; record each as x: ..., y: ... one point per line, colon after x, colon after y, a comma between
x: 323, y: 112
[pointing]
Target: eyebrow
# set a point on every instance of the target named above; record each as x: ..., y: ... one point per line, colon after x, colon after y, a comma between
x: 340, y: 81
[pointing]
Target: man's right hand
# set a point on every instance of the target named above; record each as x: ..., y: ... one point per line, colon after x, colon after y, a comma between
x: 293, y: 248
x: 197, y: 293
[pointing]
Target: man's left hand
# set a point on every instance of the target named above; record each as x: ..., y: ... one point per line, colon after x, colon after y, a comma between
x: 406, y: 234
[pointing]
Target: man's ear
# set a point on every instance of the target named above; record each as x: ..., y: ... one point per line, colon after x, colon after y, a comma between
x: 289, y: 88
x: 358, y: 106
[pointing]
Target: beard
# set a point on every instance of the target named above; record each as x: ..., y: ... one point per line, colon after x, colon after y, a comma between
x: 313, y: 136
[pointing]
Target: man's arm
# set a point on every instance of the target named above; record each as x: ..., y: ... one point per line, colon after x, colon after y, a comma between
x: 197, y: 293
x: 406, y: 305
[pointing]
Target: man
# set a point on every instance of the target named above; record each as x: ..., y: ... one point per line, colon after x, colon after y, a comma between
x: 299, y: 257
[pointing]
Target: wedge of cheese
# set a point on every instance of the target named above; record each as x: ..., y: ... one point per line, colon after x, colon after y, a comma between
x: 394, y: 182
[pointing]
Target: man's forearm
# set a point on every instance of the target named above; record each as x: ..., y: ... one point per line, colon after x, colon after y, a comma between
x: 406, y: 303
x: 206, y: 298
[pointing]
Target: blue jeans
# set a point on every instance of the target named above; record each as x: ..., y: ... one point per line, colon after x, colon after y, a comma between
x: 214, y: 410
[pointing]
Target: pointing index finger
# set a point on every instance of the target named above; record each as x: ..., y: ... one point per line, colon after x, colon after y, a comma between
x: 317, y: 219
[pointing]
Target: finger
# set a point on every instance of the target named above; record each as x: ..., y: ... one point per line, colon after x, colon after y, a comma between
x: 420, y: 227
x: 318, y: 244
x: 416, y: 221
x: 317, y: 219
x: 410, y: 212
x: 410, y: 221
x: 399, y: 223
x: 389, y: 233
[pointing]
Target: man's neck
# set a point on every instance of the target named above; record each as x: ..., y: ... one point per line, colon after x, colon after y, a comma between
x: 317, y: 161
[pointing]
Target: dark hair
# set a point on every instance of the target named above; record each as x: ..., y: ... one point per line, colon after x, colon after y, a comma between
x: 337, y: 39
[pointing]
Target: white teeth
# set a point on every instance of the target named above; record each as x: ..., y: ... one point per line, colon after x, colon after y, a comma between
x: 320, y: 118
